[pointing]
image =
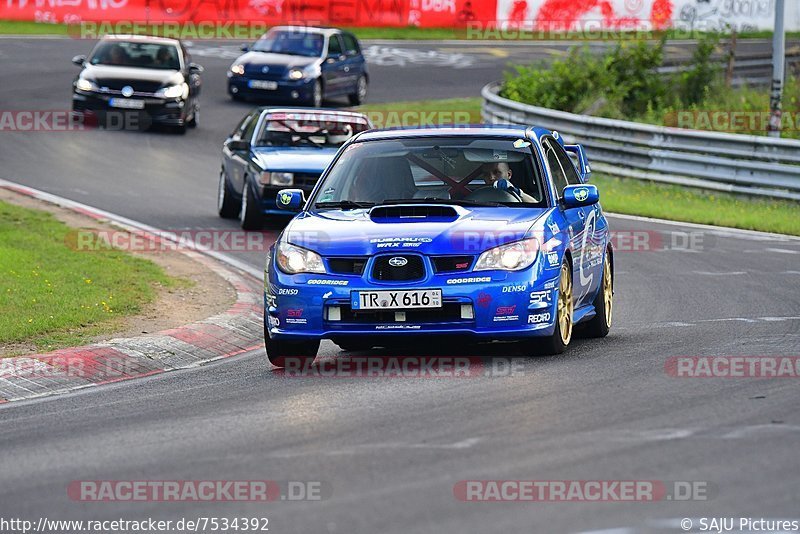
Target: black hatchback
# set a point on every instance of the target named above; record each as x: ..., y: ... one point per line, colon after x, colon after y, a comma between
x: 149, y: 79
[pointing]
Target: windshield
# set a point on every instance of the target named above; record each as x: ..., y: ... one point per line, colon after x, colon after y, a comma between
x: 295, y: 43
x: 465, y: 170
x: 308, y: 129
x: 130, y: 54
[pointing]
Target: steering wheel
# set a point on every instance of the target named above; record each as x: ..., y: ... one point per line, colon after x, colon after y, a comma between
x: 492, y: 194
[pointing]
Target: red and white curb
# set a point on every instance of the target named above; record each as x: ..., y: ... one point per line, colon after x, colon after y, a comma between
x: 236, y: 331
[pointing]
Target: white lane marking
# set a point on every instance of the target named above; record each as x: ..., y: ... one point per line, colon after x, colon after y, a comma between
x: 709, y: 273
x: 760, y: 430
x: 720, y: 230
x: 790, y: 272
x: 782, y: 251
x: 670, y: 324
x: 359, y: 449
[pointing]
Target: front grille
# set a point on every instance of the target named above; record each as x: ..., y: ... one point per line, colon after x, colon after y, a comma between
x: 274, y: 72
x: 450, y: 312
x: 414, y: 268
x: 138, y: 86
x: 347, y: 265
x: 451, y: 264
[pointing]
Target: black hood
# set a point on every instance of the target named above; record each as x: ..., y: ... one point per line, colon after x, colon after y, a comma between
x: 147, y: 80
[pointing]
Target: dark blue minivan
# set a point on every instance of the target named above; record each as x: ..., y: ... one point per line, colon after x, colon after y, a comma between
x: 300, y: 65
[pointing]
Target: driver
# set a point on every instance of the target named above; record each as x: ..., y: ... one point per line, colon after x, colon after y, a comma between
x: 494, y: 171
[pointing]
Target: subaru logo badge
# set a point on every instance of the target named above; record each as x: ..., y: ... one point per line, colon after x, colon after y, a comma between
x: 127, y: 91
x: 264, y: 70
x: 581, y: 194
x: 398, y: 262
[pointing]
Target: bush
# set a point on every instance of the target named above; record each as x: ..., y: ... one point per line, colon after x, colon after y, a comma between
x: 623, y: 83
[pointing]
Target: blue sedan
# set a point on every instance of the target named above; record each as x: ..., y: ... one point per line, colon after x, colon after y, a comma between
x: 275, y: 148
x: 488, y: 232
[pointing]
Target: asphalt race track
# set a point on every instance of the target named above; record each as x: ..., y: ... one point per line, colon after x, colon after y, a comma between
x: 389, y: 451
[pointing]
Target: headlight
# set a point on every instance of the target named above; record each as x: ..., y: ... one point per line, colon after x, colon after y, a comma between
x: 85, y: 85
x: 293, y: 260
x: 511, y: 257
x: 296, y: 74
x: 173, y: 91
x: 276, y: 178
x: 238, y: 69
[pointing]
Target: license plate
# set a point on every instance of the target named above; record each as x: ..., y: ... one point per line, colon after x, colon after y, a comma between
x: 396, y: 300
x: 126, y: 103
x: 261, y: 84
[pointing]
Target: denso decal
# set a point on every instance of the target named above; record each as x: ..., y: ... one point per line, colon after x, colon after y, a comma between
x: 473, y: 280
x: 515, y: 289
x: 284, y: 291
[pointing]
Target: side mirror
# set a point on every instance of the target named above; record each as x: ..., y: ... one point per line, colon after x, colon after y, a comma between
x: 576, y: 196
x: 583, y: 163
x: 194, y: 68
x: 79, y: 60
x: 238, y: 145
x: 290, y: 199
x: 244, y: 48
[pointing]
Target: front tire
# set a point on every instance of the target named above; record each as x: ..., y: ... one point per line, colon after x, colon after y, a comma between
x: 195, y: 117
x: 558, y: 342
x: 603, y: 303
x: 226, y: 206
x: 249, y: 214
x: 294, y: 354
x: 360, y: 96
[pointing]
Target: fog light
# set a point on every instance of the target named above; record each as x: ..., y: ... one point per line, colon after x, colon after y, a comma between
x: 467, y: 312
x: 234, y: 89
x: 334, y: 313
x: 295, y: 95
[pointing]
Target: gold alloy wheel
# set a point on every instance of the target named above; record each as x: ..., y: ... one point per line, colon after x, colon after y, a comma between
x: 608, y: 291
x: 565, y: 305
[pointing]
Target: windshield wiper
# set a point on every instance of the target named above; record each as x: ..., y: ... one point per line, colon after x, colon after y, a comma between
x: 344, y: 204
x: 449, y: 201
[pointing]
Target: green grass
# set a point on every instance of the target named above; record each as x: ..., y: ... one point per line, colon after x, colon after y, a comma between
x: 12, y: 27
x: 53, y: 295
x: 663, y: 201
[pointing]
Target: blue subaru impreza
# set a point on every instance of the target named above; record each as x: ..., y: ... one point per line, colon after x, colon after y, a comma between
x: 490, y: 232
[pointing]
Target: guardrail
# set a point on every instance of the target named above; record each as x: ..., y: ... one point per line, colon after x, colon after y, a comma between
x: 749, y: 164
